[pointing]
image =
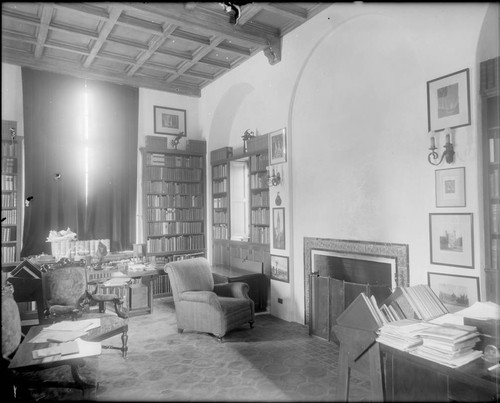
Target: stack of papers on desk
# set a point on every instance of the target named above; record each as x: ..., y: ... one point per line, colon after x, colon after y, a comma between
x: 402, y: 334
x: 449, y: 345
x: 70, y: 347
x: 65, y: 331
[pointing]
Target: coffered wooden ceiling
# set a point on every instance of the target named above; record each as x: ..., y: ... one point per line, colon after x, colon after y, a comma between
x: 174, y: 47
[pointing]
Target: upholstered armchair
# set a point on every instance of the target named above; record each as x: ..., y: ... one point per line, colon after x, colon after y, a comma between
x: 201, y: 305
x: 67, y: 297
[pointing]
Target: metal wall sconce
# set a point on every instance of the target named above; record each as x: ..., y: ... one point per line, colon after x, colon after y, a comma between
x: 448, y: 152
x: 274, y: 179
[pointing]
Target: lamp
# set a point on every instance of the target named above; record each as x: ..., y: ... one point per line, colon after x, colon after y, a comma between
x: 274, y: 179
x: 448, y: 152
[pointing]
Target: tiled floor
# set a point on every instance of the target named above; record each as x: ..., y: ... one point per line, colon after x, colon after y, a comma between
x: 274, y: 361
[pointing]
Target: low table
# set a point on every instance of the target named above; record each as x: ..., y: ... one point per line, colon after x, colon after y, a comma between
x: 111, y: 325
x: 23, y: 361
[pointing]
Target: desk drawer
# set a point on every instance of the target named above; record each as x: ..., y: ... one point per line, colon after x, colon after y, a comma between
x: 460, y: 392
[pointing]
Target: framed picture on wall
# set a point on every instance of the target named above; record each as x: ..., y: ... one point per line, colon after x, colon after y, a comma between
x: 455, y: 292
x: 450, y: 187
x: 279, y: 228
x: 169, y: 121
x: 451, y: 239
x: 277, y: 147
x: 279, y: 268
x: 448, y: 101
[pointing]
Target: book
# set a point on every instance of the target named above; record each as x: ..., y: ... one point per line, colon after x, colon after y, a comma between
x: 359, y: 315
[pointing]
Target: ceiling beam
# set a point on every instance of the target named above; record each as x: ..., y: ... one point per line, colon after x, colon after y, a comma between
x: 197, y: 57
x: 43, y: 29
x: 175, y: 13
x: 64, y: 67
x: 103, y: 35
x: 288, y: 10
x: 153, y: 47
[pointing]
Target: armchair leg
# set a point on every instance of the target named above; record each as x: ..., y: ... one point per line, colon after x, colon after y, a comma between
x: 251, y: 324
x: 179, y: 330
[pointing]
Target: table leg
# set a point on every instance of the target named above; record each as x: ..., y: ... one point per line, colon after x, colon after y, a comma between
x: 80, y: 382
x: 344, y: 374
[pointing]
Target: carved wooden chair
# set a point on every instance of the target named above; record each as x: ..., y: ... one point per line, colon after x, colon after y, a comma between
x: 69, y: 296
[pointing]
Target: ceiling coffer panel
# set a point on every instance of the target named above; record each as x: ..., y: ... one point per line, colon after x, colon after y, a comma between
x: 173, y: 47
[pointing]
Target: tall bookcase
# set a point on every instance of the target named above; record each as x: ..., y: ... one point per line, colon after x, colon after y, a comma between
x: 12, y: 202
x: 174, y: 206
x: 257, y: 248
x: 490, y: 93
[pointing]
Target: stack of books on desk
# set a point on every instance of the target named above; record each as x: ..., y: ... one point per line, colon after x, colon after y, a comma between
x: 402, y: 334
x: 452, y: 346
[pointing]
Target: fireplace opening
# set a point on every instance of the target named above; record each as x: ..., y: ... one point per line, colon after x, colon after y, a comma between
x: 359, y: 269
x: 336, y: 271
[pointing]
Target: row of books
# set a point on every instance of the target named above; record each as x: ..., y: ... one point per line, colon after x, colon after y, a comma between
x: 181, y: 201
x: 219, y: 186
x: 9, y: 200
x: 160, y: 187
x: 9, y: 165
x: 9, y: 182
x: 9, y: 149
x: 159, y: 159
x: 174, y: 228
x: 190, y: 242
x: 173, y: 174
x: 9, y: 217
x: 219, y: 171
x: 174, y: 214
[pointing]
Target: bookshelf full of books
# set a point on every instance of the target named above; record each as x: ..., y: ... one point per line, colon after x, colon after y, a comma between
x: 490, y: 93
x: 11, y: 193
x: 173, y: 184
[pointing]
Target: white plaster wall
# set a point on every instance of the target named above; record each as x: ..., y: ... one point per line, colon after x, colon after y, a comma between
x: 351, y: 91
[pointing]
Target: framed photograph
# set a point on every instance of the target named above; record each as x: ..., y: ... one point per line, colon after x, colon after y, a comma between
x: 455, y: 292
x: 277, y: 147
x: 450, y: 187
x: 451, y: 239
x: 170, y: 121
x: 279, y: 268
x: 448, y: 102
x: 279, y: 228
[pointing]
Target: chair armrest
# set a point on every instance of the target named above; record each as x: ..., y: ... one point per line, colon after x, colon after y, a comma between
x: 206, y: 297
x: 237, y: 289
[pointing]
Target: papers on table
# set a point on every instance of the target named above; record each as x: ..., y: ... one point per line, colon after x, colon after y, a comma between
x: 450, y: 345
x: 70, y: 347
x: 402, y: 334
x: 481, y: 310
x: 65, y: 331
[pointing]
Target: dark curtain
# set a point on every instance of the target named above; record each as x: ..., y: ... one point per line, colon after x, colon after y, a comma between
x: 111, y: 204
x: 53, y: 158
x: 55, y: 148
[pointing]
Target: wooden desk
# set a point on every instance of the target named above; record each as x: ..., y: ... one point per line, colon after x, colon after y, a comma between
x: 141, y: 291
x: 411, y: 378
x: 23, y: 360
x: 257, y: 282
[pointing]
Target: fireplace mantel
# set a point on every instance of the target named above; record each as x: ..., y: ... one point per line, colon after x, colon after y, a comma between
x: 398, y: 252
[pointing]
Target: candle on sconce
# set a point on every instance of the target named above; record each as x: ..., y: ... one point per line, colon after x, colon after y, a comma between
x: 433, y: 143
x: 448, y: 138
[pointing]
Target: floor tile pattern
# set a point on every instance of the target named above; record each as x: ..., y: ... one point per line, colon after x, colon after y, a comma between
x: 274, y: 361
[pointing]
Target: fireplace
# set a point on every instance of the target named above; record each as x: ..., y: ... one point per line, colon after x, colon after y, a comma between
x: 374, y: 263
